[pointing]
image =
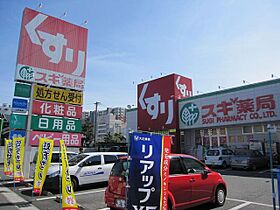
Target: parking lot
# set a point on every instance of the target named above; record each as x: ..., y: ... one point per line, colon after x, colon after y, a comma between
x: 246, y: 190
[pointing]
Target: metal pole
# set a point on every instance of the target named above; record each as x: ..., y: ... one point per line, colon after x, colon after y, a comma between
x: 95, y: 123
x: 271, y: 168
x: 27, y: 153
x: 1, y: 126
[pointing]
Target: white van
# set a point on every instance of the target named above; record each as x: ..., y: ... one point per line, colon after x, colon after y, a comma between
x: 85, y: 168
x: 218, y: 157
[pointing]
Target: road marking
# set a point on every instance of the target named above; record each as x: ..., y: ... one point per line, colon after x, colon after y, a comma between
x: 76, y: 194
x: 25, y: 188
x: 104, y: 209
x: 241, y: 206
x: 255, y: 203
x: 12, y: 182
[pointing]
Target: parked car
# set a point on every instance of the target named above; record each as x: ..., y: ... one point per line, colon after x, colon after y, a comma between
x: 248, y: 159
x: 54, y: 161
x: 191, y: 183
x: 218, y: 157
x: 85, y: 168
x: 118, y: 149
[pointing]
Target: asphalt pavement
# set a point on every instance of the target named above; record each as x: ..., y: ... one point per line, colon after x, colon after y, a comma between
x: 248, y: 190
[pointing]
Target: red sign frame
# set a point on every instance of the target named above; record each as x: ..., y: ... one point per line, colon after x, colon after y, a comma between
x: 157, y: 102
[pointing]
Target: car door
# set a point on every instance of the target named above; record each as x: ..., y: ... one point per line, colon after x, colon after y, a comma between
x: 179, y: 183
x: 201, y: 184
x: 91, y: 170
x: 109, y: 161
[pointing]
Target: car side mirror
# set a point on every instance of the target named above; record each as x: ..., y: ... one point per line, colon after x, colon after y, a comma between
x: 206, y: 172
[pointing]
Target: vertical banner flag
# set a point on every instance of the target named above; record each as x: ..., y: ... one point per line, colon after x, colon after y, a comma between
x: 18, y: 155
x: 8, y: 165
x: 149, y: 169
x: 68, y: 197
x: 43, y: 163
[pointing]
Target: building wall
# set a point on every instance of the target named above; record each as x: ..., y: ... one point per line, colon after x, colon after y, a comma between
x: 131, y: 117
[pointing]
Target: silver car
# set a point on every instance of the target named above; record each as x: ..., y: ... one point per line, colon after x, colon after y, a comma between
x: 248, y: 159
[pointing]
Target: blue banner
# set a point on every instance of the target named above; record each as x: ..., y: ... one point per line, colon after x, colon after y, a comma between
x: 17, y: 133
x: 145, y: 171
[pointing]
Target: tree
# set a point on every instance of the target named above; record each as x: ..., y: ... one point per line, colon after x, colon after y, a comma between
x: 87, y: 131
x: 108, y: 138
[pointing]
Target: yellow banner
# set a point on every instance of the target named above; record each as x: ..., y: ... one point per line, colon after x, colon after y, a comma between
x: 18, y: 156
x: 68, y: 197
x: 58, y: 95
x: 8, y: 164
x: 43, y: 163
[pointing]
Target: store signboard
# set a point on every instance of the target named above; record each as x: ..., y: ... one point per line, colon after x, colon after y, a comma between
x: 248, y: 105
x: 17, y: 134
x: 46, y: 123
x: 57, y: 95
x: 22, y: 90
x: 70, y: 139
x: 19, y: 105
x: 51, y: 51
x: 18, y: 121
x: 157, y: 102
x: 56, y: 109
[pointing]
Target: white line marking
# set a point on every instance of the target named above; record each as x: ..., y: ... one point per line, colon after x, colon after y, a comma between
x: 255, y: 203
x: 76, y: 194
x: 104, y: 209
x: 241, y: 206
x: 25, y: 188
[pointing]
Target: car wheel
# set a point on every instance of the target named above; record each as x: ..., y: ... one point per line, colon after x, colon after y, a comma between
x: 74, y: 183
x: 224, y: 164
x: 220, y: 196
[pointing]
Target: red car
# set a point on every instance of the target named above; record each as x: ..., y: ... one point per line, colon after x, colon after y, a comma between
x: 191, y: 183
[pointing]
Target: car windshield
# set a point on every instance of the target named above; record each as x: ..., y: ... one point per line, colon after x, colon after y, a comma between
x: 243, y: 153
x: 213, y: 152
x: 119, y: 168
x: 56, y: 158
x: 77, y: 159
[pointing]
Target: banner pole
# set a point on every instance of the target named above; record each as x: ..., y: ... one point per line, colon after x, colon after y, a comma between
x: 60, y: 180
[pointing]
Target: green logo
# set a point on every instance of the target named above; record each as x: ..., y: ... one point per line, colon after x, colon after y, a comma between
x: 189, y: 114
x: 26, y: 73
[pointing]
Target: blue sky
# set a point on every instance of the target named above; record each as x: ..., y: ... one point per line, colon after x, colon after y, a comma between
x: 214, y: 42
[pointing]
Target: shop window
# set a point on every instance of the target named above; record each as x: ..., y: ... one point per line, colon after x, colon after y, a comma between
x: 222, y: 131
x: 232, y: 139
x: 240, y: 139
x: 214, y: 132
x: 246, y: 129
x: 258, y: 128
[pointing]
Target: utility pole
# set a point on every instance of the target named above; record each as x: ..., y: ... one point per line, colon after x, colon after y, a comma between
x: 95, y: 122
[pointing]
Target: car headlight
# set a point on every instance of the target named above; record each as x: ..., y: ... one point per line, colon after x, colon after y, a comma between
x: 54, y: 174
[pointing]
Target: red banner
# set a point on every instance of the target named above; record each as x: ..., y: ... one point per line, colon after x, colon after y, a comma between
x: 70, y: 139
x: 56, y: 109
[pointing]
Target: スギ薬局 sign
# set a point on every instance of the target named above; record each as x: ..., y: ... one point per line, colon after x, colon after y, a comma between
x: 51, y: 51
x: 252, y: 104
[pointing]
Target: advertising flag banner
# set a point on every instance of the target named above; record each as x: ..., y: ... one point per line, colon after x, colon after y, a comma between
x: 70, y: 139
x: 8, y: 165
x: 149, y: 168
x: 51, y: 51
x: 58, y: 95
x: 45, y: 123
x: 42, y: 164
x: 18, y: 156
x: 56, y: 109
x: 68, y: 196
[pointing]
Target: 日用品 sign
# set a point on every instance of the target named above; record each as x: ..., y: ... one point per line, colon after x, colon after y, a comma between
x: 22, y: 90
x: 57, y: 95
x: 18, y: 121
x: 19, y: 105
x: 70, y: 139
x: 56, y: 109
x: 51, y: 51
x: 55, y: 124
